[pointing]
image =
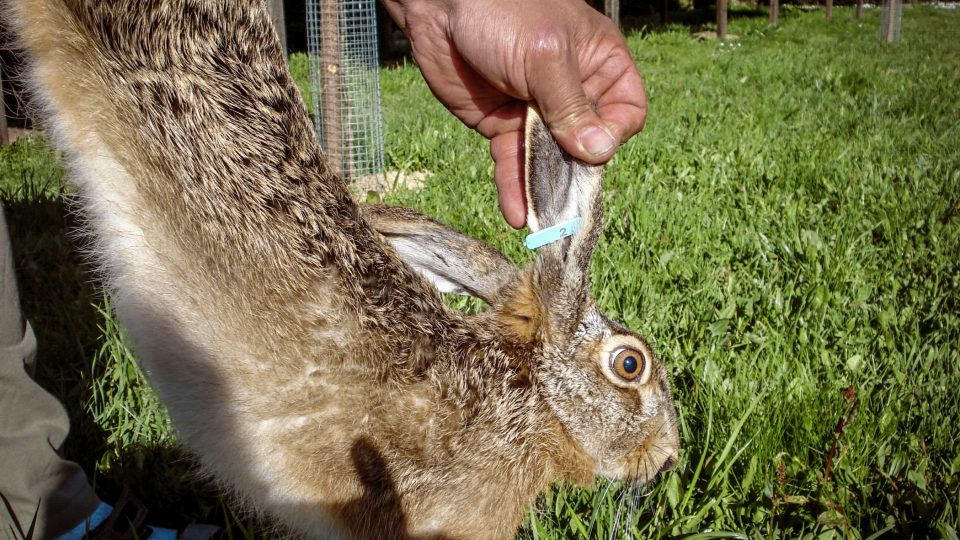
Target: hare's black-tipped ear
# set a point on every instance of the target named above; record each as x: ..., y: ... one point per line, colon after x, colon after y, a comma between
x: 561, y: 189
x: 454, y: 262
x: 558, y: 187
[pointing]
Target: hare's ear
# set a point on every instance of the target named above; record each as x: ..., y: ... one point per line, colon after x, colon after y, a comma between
x: 454, y: 262
x: 563, y: 197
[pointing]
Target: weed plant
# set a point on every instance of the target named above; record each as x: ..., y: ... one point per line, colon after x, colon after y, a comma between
x: 785, y: 231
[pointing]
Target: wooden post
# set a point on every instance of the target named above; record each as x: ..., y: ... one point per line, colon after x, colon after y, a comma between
x: 612, y: 10
x: 331, y: 87
x: 859, y: 14
x: 829, y: 10
x: 721, y: 19
x: 275, y: 7
x: 775, y: 13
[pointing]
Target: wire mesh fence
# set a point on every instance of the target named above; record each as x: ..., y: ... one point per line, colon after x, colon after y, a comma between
x: 890, y: 20
x: 345, y: 79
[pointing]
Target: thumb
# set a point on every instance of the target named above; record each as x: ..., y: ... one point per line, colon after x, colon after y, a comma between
x: 568, y: 113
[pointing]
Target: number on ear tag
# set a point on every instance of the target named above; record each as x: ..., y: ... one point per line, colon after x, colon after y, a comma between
x: 552, y: 234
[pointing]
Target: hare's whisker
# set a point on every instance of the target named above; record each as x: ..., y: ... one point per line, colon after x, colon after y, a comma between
x: 598, y: 503
x: 616, y: 521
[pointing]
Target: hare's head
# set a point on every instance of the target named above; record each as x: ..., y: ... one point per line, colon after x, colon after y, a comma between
x: 603, y: 383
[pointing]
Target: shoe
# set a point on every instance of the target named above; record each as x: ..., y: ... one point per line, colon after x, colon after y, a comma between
x: 126, y: 520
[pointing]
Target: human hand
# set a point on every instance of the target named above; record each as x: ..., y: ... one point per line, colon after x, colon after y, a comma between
x: 484, y: 59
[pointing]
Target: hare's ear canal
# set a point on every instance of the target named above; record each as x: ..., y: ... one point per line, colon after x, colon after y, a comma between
x: 454, y: 262
x: 564, y: 192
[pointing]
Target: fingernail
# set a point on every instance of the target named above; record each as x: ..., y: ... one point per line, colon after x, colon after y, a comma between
x: 596, y: 140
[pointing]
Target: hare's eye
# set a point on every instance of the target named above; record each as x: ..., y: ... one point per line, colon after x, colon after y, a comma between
x: 628, y: 363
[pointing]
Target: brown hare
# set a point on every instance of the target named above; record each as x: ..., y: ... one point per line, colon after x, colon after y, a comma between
x: 300, y: 341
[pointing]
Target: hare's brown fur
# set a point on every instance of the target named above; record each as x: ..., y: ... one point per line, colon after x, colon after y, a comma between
x: 307, y: 366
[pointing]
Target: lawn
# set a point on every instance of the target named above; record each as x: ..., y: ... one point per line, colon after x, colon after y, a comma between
x: 785, y: 232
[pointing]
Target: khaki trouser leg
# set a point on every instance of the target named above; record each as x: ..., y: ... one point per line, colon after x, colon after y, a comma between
x: 33, y: 424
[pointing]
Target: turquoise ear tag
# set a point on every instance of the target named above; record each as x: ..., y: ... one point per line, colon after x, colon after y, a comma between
x: 552, y: 234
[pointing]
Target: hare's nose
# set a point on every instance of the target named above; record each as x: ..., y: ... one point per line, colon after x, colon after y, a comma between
x: 668, y: 464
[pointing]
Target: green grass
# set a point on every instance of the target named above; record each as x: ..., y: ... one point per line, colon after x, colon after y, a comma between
x: 785, y: 232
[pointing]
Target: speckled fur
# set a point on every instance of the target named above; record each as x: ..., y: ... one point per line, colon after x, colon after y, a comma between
x: 309, y: 368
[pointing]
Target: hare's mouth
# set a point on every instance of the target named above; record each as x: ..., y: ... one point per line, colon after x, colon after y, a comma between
x: 641, y: 469
x: 658, y: 453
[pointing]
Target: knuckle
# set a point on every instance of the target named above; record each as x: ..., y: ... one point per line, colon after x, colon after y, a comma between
x: 548, y: 45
